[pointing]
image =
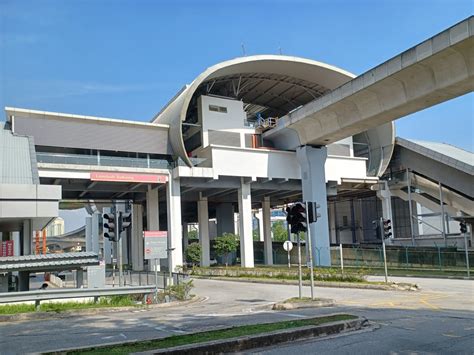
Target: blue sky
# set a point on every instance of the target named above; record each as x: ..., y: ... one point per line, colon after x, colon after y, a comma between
x: 126, y: 59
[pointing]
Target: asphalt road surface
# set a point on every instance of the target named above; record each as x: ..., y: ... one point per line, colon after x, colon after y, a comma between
x: 439, y: 319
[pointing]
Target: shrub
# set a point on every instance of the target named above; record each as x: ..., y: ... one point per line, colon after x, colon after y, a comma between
x: 193, y: 253
x: 181, y: 291
x: 226, y: 244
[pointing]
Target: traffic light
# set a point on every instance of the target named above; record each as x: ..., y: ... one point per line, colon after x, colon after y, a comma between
x: 110, y: 226
x: 387, y: 226
x: 313, y: 214
x: 125, y: 221
x: 376, y: 229
x: 463, y: 227
x: 297, y: 218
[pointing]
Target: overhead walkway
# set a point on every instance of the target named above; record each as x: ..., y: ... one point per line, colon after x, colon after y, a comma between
x: 434, y: 71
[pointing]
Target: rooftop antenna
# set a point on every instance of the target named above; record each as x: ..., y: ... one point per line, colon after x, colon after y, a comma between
x: 243, y: 49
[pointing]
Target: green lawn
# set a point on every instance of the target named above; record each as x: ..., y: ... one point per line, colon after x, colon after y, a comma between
x: 212, y: 335
x: 114, y: 301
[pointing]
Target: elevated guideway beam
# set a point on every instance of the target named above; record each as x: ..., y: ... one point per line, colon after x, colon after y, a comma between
x: 436, y: 70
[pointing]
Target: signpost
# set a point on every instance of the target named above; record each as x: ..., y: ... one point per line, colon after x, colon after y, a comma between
x: 287, y: 245
x: 156, y: 245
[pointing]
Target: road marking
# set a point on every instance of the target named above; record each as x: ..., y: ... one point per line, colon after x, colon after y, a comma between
x: 451, y: 335
x: 177, y: 331
x: 429, y: 305
x: 294, y: 315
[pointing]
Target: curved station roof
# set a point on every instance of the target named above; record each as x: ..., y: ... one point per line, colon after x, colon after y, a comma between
x: 273, y: 85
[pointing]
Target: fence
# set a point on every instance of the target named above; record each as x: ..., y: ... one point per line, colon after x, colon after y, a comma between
x: 434, y: 260
x: 428, y: 260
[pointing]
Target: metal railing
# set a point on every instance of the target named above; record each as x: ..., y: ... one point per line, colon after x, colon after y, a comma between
x: 102, y: 160
x: 145, y: 278
x: 45, y: 295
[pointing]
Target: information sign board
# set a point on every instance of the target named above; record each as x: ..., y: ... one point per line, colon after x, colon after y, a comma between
x: 156, y: 243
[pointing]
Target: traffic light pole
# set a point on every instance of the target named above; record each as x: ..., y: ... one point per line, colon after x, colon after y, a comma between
x: 300, y: 280
x: 382, y: 234
x: 310, y: 251
x: 467, y: 255
x: 119, y: 245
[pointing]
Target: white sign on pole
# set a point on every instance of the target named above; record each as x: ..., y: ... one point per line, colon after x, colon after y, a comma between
x: 156, y: 244
x: 287, y: 245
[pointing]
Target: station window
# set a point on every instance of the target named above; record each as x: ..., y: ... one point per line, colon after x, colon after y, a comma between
x: 216, y: 108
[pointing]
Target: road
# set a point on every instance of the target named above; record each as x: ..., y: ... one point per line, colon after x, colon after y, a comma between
x: 437, y: 319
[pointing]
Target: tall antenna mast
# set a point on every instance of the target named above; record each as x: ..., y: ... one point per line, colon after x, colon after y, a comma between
x: 243, y: 49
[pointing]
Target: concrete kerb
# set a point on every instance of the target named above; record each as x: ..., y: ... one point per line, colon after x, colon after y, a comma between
x: 264, y: 340
x: 90, y: 311
x: 387, y: 287
x: 322, y: 302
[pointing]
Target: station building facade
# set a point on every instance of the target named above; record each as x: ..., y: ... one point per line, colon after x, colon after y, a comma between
x: 208, y: 155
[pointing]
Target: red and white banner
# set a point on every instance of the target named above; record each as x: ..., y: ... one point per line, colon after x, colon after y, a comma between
x: 6, y: 248
x: 128, y: 177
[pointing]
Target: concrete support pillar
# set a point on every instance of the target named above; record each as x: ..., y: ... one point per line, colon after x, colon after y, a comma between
x: 203, y: 218
x: 137, y: 237
x: 259, y: 217
x: 26, y: 236
x: 92, y: 233
x: 152, y: 209
x: 23, y: 281
x: 173, y: 204
x: 16, y: 243
x: 245, y: 218
x: 267, y: 231
x: 185, y: 237
x: 385, y: 197
x: 312, y: 161
x: 79, y: 278
x: 225, y: 218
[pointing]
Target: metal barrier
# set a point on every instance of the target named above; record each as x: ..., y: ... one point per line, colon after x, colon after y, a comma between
x: 140, y: 278
x: 44, y: 295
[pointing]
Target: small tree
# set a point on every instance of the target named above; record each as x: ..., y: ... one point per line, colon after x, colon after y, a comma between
x: 225, y: 245
x: 193, y: 235
x: 280, y: 234
x: 193, y: 253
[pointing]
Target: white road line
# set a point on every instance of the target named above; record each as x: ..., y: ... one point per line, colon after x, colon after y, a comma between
x: 294, y: 315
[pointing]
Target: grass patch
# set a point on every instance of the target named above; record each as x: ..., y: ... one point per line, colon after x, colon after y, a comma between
x: 281, y: 273
x: 104, y: 302
x: 233, y: 332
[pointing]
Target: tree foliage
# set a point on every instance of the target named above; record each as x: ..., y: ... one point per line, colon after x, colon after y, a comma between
x: 193, y: 234
x: 226, y: 244
x: 193, y: 253
x: 280, y: 233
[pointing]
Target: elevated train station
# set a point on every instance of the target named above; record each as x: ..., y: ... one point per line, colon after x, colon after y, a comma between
x: 253, y: 133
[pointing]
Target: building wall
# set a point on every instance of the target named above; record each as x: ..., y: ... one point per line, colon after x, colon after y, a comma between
x: 223, y: 122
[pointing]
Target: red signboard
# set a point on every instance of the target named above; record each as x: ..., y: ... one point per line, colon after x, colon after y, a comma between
x: 128, y: 177
x: 161, y: 234
x: 6, y: 248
